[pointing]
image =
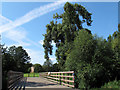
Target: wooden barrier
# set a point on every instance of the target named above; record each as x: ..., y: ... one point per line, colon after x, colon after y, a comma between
x: 63, y: 78
x: 14, y: 77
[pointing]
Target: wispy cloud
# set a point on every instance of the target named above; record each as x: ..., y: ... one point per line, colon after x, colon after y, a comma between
x: 32, y: 15
x: 18, y: 34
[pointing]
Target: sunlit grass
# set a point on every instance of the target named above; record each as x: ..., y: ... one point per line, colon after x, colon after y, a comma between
x: 31, y: 75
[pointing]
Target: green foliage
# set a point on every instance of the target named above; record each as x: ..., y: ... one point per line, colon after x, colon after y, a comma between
x: 15, y: 58
x: 80, y: 57
x: 92, y: 58
x: 63, y: 34
x: 112, y: 84
x: 47, y: 66
x: 55, y: 67
x: 37, y: 68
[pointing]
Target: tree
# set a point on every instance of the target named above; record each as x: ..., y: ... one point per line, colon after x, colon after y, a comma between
x: 63, y: 34
x: 14, y: 58
x: 80, y: 58
x: 47, y: 66
x: 92, y: 58
x: 20, y: 57
x: 115, y: 46
x: 37, y: 68
x: 55, y: 67
x: 27, y: 67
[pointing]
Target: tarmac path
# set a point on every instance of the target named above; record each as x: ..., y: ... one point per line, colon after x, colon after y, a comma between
x: 40, y: 82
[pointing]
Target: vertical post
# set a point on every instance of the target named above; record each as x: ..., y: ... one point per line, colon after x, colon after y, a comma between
x: 57, y: 78
x: 74, y: 79
x: 67, y: 78
x: 60, y: 78
x: 0, y: 64
x: 63, y: 78
x: 8, y: 80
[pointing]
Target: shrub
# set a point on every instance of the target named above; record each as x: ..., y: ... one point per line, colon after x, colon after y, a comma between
x: 92, y: 60
x: 112, y: 84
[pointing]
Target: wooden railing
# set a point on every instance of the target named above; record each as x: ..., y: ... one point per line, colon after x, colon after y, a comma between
x: 63, y: 78
x: 14, y: 77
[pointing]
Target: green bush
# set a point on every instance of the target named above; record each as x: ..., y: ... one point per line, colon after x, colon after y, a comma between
x: 112, y: 84
x: 93, y: 61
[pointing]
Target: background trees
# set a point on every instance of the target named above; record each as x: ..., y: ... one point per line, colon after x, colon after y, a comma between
x: 15, y: 58
x: 47, y: 66
x: 38, y: 68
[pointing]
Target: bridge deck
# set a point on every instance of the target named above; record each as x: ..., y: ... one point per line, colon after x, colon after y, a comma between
x: 40, y: 82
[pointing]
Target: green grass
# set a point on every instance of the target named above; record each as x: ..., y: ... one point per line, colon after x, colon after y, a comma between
x: 31, y: 75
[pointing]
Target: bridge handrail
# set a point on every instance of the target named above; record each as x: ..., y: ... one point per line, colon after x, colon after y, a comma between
x: 13, y: 77
x: 61, y: 78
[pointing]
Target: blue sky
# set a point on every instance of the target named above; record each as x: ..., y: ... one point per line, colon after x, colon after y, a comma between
x: 23, y: 23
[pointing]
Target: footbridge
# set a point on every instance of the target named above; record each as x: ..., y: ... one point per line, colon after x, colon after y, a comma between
x: 47, y: 80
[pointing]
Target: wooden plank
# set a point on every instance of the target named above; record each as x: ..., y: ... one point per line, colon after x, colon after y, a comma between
x: 68, y: 85
x: 53, y: 78
x: 63, y: 72
x: 68, y: 80
x: 61, y: 76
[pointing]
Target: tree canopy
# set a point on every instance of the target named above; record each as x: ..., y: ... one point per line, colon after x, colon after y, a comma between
x: 15, y: 58
x: 63, y: 33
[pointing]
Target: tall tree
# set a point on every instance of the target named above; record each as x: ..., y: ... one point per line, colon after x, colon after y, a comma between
x: 63, y: 34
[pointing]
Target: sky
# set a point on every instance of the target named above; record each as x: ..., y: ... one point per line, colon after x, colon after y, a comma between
x: 24, y: 23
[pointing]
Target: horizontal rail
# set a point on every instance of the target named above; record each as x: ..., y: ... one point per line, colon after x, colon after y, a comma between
x: 67, y: 80
x: 68, y: 85
x: 63, y: 78
x: 63, y: 72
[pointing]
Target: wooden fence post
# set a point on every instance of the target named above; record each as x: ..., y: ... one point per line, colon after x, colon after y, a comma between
x: 60, y: 78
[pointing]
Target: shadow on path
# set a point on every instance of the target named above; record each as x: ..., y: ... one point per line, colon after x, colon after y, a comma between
x: 37, y: 84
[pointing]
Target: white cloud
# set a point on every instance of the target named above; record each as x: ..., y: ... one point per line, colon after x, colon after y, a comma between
x: 36, y: 56
x: 15, y: 34
x: 32, y: 15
